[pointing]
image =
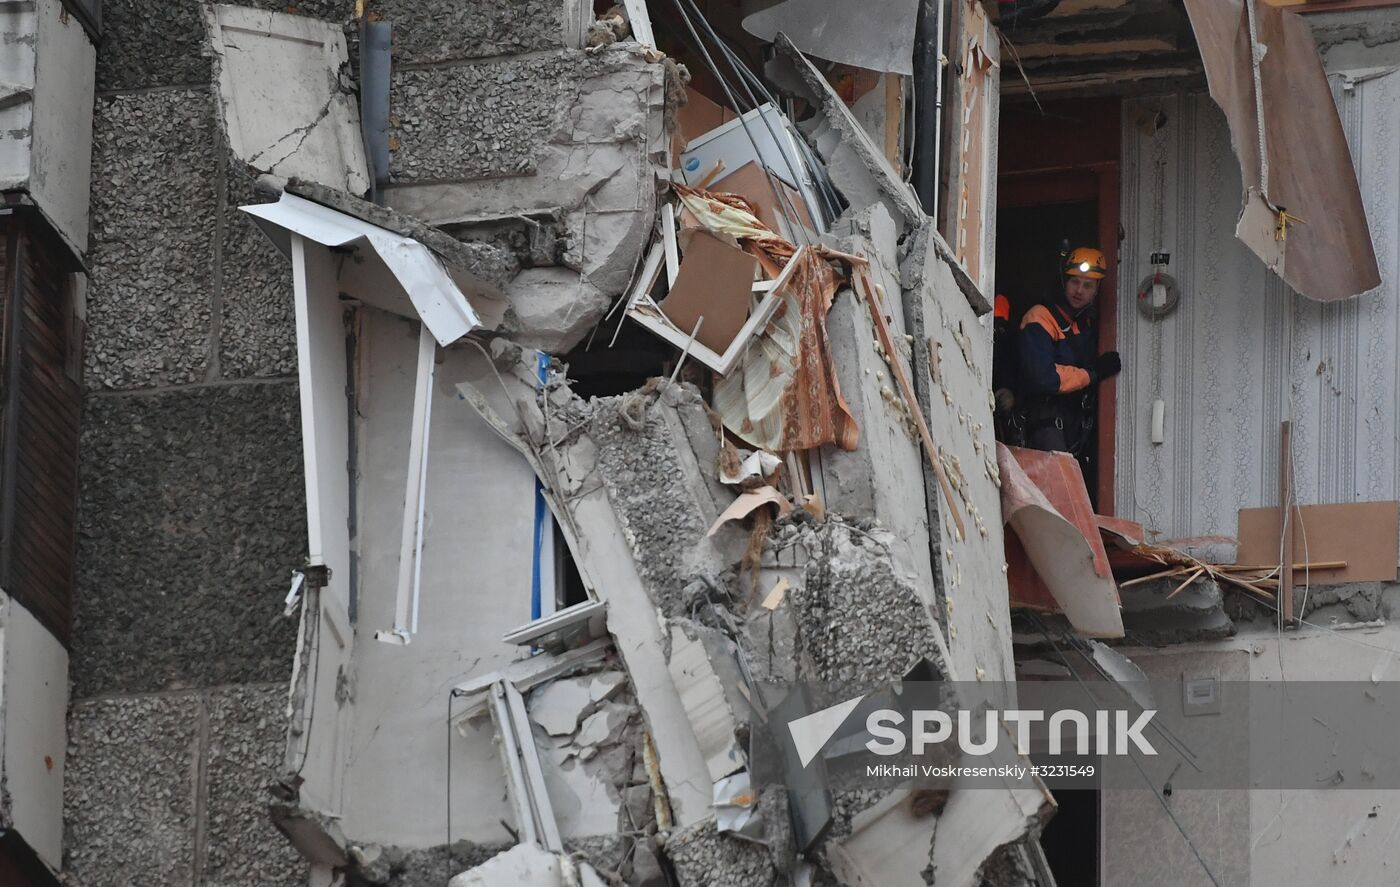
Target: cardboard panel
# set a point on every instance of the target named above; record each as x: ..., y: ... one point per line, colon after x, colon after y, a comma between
x: 1364, y: 534
x: 715, y: 281
x: 696, y: 117
x: 752, y: 183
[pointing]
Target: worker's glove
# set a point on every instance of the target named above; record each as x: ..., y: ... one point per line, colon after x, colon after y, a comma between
x: 1107, y: 365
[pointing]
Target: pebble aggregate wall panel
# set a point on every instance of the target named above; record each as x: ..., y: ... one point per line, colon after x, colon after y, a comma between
x: 480, y: 121
x: 154, y: 43
x: 428, y: 31
x: 244, y: 754
x: 257, y: 320
x: 155, y: 170
x: 191, y: 520
x: 129, y: 791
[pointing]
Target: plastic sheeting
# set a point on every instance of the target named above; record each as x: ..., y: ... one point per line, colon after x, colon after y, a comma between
x: 877, y: 35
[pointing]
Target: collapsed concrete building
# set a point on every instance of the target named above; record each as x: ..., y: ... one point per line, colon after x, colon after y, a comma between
x: 406, y: 305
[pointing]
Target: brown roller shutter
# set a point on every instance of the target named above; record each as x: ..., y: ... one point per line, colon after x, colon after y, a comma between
x: 40, y: 411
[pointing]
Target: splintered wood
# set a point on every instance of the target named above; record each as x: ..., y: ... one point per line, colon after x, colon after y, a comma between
x: 1257, y: 579
x: 867, y: 289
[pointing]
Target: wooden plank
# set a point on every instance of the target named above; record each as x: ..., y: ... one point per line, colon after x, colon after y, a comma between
x: 51, y: 578
x: 1361, y: 533
x: 39, y: 404
x: 47, y: 372
x: 40, y: 336
x: 44, y: 492
x: 894, y: 116
x: 45, y: 585
x: 1285, y: 501
x: 46, y: 305
x: 43, y: 539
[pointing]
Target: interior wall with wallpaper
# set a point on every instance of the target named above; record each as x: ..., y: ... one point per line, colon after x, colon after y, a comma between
x: 1242, y: 351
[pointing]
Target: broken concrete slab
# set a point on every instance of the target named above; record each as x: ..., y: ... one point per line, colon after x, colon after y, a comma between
x: 493, y: 266
x: 506, y: 397
x: 551, y: 308
x: 605, y: 685
x: 856, y: 166
x: 894, y: 843
x: 591, y: 151
x: 604, y: 725
x: 289, y: 108
x: 855, y: 576
x: 521, y: 864
x: 558, y: 705
x: 1153, y: 615
x: 701, y: 855
x: 706, y: 707
x: 873, y: 481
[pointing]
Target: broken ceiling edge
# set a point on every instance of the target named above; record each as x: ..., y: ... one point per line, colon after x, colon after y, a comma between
x: 489, y: 265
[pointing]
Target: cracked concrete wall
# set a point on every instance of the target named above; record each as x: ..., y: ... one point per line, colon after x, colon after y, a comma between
x: 652, y: 455
x: 952, y: 371
x: 1263, y: 836
x: 872, y: 481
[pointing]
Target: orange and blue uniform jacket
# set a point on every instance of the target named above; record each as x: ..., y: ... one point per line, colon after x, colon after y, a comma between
x: 1056, y: 352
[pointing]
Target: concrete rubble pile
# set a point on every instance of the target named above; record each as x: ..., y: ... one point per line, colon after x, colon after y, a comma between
x: 811, y: 495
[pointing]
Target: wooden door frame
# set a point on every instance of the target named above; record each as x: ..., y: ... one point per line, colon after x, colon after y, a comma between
x: 1096, y: 182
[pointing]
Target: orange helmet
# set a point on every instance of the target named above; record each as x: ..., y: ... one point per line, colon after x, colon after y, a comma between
x: 1002, y: 307
x: 1086, y: 262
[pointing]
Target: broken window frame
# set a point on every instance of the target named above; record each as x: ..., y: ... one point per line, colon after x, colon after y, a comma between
x: 502, y: 694
x: 534, y: 811
x: 970, y: 131
x: 644, y: 310
x: 415, y: 498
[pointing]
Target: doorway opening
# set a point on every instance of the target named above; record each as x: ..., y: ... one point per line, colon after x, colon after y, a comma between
x: 1071, y: 838
x: 1057, y: 186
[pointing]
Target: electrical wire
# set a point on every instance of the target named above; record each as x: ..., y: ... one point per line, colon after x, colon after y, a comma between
x: 737, y: 66
x: 745, y: 76
x: 1333, y: 631
x: 450, y: 697
x: 315, y: 679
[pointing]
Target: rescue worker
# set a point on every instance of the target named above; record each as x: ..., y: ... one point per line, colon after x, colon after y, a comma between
x: 1060, y: 367
x: 1003, y: 370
